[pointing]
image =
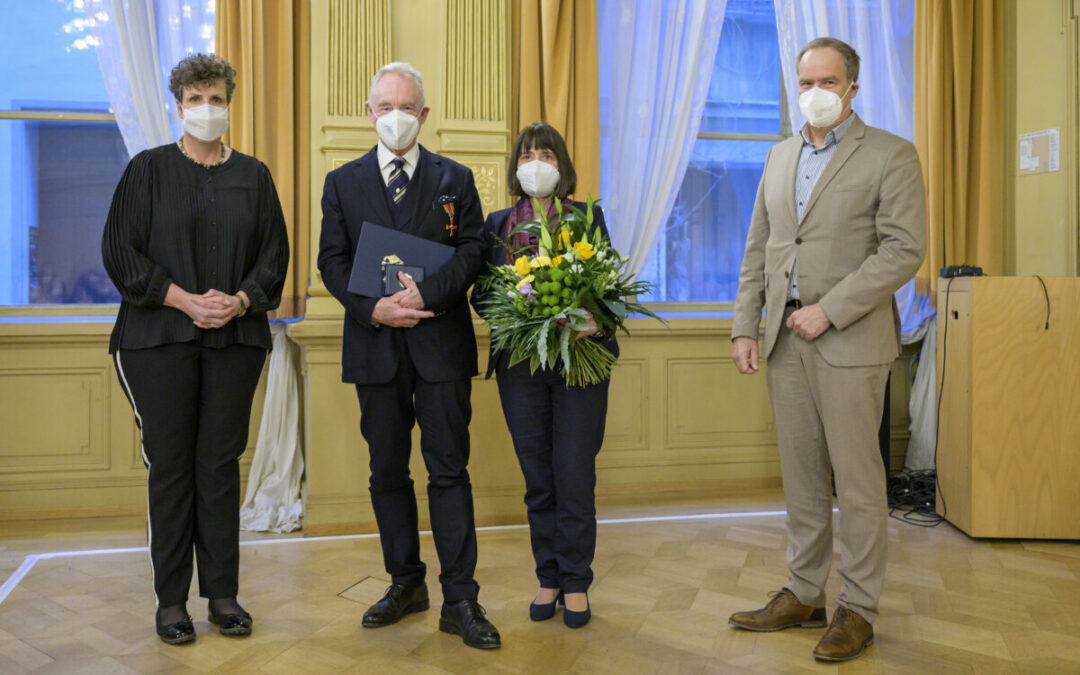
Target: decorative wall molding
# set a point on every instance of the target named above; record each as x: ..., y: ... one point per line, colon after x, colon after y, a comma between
x: 358, y: 45
x: 476, y: 70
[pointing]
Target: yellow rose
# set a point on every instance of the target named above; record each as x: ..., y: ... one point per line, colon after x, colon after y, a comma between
x: 540, y: 261
x: 521, y: 266
x: 584, y: 249
x: 556, y: 261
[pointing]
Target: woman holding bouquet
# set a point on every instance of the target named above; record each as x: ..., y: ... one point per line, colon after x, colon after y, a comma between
x: 557, y: 429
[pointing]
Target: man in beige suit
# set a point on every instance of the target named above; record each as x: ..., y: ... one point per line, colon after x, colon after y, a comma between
x: 839, y: 225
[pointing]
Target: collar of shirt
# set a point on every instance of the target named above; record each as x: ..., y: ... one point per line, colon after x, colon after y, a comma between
x: 835, y: 135
x: 386, y: 161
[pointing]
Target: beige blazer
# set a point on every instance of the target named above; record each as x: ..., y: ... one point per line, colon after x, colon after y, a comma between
x: 862, y: 237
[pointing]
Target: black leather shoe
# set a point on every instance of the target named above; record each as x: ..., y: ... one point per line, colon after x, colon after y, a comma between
x: 467, y: 619
x: 233, y: 625
x: 398, y: 601
x: 177, y: 633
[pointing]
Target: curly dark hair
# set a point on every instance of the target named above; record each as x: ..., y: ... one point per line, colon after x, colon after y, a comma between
x: 201, y: 69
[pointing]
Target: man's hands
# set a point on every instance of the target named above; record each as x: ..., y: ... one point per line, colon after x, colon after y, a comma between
x: 744, y: 352
x: 212, y: 309
x: 403, y: 309
x: 809, y: 322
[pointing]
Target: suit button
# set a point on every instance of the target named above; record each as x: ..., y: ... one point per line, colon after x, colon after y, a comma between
x: 798, y: 240
x: 787, y: 275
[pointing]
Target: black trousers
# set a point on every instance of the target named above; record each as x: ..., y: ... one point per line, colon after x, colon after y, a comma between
x: 192, y: 405
x: 443, y: 410
x: 557, y: 432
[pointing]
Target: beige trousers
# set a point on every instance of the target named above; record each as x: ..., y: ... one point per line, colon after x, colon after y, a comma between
x: 827, y: 421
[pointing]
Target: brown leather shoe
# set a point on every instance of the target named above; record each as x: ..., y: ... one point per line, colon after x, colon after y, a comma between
x: 783, y: 611
x: 848, y: 635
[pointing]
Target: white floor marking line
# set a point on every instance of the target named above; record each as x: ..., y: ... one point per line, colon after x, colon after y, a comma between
x: 32, y: 559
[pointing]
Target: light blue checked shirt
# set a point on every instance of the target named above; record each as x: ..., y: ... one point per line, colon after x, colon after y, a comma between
x: 812, y: 161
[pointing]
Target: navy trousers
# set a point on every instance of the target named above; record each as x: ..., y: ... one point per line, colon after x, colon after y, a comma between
x: 443, y: 410
x: 557, y: 432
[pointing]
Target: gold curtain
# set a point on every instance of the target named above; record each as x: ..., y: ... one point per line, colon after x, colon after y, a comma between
x: 959, y: 132
x: 267, y: 43
x: 555, y: 77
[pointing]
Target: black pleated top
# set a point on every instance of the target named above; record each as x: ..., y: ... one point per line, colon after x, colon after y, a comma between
x: 173, y: 221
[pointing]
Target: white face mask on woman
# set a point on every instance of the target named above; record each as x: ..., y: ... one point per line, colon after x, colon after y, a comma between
x: 537, y: 178
x: 822, y: 107
x: 397, y: 129
x: 206, y: 122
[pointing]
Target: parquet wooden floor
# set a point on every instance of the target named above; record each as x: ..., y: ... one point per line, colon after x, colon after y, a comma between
x: 662, y: 595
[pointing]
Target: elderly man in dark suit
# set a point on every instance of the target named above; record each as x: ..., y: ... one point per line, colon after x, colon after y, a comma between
x: 411, y: 355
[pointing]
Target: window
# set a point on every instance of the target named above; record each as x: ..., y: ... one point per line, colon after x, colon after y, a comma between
x: 61, y: 151
x: 698, y: 252
x: 64, y: 155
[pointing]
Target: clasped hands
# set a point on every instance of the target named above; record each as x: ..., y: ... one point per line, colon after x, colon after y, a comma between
x: 212, y: 309
x: 403, y: 309
x: 808, y: 322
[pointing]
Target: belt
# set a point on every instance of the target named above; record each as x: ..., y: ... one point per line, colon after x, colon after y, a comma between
x: 794, y: 303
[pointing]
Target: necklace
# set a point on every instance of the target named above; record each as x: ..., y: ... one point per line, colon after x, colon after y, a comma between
x: 220, y: 161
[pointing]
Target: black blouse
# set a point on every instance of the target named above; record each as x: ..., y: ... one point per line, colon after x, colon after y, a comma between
x: 173, y: 221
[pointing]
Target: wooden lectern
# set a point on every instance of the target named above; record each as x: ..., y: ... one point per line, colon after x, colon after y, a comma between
x: 1008, y: 459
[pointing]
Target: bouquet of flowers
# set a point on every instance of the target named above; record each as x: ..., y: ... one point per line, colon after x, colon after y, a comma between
x: 574, y: 284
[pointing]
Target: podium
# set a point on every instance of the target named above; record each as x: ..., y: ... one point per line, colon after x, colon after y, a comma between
x: 1008, y: 459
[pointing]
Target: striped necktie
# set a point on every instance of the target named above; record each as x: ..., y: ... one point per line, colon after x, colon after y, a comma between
x: 397, y: 182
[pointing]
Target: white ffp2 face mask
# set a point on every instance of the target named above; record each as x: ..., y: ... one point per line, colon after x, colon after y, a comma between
x: 206, y: 122
x: 821, y: 107
x: 397, y: 129
x: 538, y: 179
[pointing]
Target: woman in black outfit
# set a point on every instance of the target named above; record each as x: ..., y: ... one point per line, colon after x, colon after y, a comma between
x: 196, y: 244
x: 557, y: 430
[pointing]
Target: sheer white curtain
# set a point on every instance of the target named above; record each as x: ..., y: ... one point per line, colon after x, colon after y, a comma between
x: 137, y: 43
x: 652, y: 93
x: 272, y: 502
x: 882, y: 32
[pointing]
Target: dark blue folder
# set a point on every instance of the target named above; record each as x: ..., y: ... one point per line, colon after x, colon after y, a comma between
x: 380, y: 246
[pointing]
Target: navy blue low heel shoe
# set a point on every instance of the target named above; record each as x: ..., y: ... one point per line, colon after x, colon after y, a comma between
x: 545, y: 611
x: 574, y: 619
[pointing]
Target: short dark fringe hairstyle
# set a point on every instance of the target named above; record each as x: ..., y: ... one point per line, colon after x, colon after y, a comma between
x: 542, y: 136
x: 847, y: 52
x: 201, y: 69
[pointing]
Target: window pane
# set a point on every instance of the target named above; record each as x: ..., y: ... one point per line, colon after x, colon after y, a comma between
x: 47, y: 58
x: 697, y: 255
x: 744, y: 93
x: 62, y: 176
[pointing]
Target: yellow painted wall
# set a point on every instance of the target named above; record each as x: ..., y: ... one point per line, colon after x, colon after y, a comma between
x: 1042, y: 53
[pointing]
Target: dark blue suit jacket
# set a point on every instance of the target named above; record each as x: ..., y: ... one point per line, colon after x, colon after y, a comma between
x: 495, y: 254
x: 442, y: 348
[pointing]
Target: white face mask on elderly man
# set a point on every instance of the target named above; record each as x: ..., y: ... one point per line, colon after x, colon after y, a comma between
x: 397, y: 129
x: 822, y: 107
x: 206, y: 122
x: 538, y: 179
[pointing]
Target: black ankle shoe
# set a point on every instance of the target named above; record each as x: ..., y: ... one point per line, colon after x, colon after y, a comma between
x: 543, y: 612
x: 398, y: 601
x: 232, y: 624
x: 176, y: 633
x: 466, y: 618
